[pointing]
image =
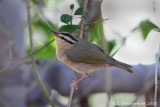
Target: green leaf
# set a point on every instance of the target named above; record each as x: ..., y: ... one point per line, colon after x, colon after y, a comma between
x: 91, y: 38
x: 86, y: 27
x: 111, y: 45
x: 65, y: 18
x: 146, y: 26
x: 49, y: 51
x: 79, y: 11
x: 72, y: 6
x: 43, y: 26
x: 35, y: 1
x: 96, y: 32
x: 69, y: 28
x: 46, y: 53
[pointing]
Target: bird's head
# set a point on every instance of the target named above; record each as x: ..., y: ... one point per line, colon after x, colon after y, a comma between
x: 64, y: 39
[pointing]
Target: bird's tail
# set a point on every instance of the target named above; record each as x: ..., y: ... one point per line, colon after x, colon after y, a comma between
x: 123, y: 66
x: 120, y: 65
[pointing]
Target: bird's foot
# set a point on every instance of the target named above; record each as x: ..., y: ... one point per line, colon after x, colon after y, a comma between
x: 74, y: 84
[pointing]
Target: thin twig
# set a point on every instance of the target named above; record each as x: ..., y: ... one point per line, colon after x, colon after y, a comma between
x: 43, y: 16
x: 98, y: 21
x: 72, y: 90
x: 80, y: 36
x: 156, y: 77
x: 83, y: 17
x: 36, y: 75
x: 24, y: 57
x: 107, y: 71
x: 121, y: 45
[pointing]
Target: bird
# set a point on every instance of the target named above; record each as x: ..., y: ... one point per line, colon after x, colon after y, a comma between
x: 83, y: 56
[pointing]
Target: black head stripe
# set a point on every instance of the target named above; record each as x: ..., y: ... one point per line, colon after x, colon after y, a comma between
x: 69, y: 35
x: 67, y: 40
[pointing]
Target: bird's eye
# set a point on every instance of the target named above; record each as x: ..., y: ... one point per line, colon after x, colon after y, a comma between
x: 67, y: 40
x: 62, y: 38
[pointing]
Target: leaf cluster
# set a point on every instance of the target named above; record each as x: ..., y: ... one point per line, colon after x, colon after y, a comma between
x: 91, y: 31
x: 145, y: 27
x: 67, y: 19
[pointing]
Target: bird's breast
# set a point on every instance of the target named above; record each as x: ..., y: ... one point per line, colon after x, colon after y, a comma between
x: 59, y: 53
x: 80, y: 67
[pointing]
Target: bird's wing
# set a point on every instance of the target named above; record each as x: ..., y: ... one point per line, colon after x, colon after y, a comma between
x: 86, y: 52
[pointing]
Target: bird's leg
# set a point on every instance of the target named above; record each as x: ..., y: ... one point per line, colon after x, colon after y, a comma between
x: 75, y: 83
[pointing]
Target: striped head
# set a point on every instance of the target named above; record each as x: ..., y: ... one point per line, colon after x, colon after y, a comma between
x: 64, y: 39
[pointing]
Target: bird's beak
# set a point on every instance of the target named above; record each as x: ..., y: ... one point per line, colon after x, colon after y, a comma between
x: 54, y: 33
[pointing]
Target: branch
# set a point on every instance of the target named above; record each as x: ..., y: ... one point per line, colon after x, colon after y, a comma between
x: 36, y: 75
x: 80, y: 36
x: 98, y: 21
x: 83, y: 17
x: 24, y: 57
x: 72, y: 90
x: 156, y: 77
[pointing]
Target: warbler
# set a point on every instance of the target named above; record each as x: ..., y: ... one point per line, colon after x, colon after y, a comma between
x: 83, y: 56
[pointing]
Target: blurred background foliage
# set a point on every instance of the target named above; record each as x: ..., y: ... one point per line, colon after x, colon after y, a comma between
x: 145, y: 27
x: 42, y: 22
